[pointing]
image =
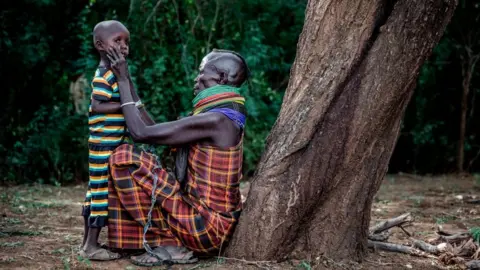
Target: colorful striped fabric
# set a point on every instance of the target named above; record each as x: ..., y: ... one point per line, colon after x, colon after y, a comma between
x: 216, y: 95
x: 202, y: 217
x: 96, y: 201
x: 105, y: 129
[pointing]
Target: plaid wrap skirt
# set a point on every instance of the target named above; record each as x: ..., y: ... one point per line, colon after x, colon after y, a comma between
x: 178, y: 218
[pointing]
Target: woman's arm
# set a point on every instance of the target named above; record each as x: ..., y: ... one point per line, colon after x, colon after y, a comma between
x: 187, y: 130
x: 183, y: 131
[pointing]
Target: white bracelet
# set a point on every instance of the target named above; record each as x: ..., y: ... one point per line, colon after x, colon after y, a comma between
x: 139, y: 104
x: 127, y: 103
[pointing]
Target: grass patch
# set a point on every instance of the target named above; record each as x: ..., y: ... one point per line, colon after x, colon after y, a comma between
x: 59, y: 251
x: 304, y: 265
x: 444, y: 219
x: 416, y: 200
x: 475, y: 231
x: 13, y: 221
x: 85, y: 261
x: 66, y: 262
x: 12, y: 244
x: 20, y: 233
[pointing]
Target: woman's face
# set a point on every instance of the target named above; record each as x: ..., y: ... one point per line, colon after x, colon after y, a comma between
x: 207, y: 76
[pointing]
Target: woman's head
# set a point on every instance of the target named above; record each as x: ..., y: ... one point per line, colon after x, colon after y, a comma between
x: 221, y: 67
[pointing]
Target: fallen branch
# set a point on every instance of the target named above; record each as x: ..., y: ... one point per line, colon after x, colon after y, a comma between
x: 398, y: 248
x: 390, y: 223
x: 473, y: 201
x: 381, y: 237
x: 445, y: 232
x: 456, y: 238
x: 473, y: 265
x: 429, y: 248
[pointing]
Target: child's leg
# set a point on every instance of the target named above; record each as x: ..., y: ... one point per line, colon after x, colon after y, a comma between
x: 98, y: 162
x: 86, y: 214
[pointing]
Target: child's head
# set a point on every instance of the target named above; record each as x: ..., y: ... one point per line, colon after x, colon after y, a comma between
x: 111, y: 34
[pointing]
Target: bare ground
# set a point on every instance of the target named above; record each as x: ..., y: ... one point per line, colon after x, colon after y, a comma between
x: 41, y: 226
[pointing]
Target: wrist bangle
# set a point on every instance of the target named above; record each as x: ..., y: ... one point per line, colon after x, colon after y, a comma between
x: 139, y: 104
x: 127, y: 103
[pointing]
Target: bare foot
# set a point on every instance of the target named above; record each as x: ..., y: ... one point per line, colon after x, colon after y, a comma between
x: 161, y: 256
x: 96, y: 253
x: 181, y: 255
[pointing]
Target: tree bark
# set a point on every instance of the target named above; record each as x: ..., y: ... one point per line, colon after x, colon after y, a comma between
x: 355, y: 70
x: 463, y: 116
x: 468, y: 65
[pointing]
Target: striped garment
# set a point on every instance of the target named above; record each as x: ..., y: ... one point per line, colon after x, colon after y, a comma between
x: 107, y: 131
x: 216, y: 96
x: 201, y: 217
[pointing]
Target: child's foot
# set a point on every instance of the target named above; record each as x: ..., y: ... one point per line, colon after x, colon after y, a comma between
x: 96, y: 253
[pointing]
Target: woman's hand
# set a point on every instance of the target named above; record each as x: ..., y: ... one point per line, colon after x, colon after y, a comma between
x: 118, y: 63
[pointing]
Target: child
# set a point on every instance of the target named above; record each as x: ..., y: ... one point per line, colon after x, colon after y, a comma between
x: 107, y: 131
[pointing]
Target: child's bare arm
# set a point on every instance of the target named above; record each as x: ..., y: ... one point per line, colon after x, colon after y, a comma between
x: 105, y: 107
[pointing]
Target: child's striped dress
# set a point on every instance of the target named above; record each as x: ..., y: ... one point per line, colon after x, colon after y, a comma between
x: 107, y: 132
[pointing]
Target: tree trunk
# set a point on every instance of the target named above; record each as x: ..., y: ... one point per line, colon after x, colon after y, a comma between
x: 355, y: 70
x: 467, y: 70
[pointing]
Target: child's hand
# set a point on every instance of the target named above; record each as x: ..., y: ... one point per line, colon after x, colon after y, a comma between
x: 118, y: 63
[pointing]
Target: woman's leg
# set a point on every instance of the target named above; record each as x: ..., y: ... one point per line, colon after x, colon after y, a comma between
x: 130, y: 187
x: 179, y: 223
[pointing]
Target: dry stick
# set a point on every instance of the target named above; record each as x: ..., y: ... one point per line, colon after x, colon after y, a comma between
x: 475, y: 264
x: 398, y: 248
x: 456, y: 238
x: 405, y: 231
x: 28, y: 257
x: 442, y: 231
x: 427, y: 247
x: 380, y: 237
x: 473, y: 201
x: 393, y: 222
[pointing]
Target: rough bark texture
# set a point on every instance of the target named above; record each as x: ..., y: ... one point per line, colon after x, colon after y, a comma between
x: 355, y: 70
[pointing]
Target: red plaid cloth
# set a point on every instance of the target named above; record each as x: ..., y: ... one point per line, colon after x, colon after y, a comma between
x: 200, y: 218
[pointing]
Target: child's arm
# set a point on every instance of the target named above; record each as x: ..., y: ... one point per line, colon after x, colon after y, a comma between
x: 101, y: 96
x: 105, y: 107
x: 147, y: 119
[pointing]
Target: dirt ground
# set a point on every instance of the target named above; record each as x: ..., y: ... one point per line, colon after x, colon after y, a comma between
x: 41, y: 228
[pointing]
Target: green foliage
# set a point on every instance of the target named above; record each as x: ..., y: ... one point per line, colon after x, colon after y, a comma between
x: 46, y: 141
x: 51, y: 147
x: 304, y: 265
x: 475, y: 231
x: 47, y: 44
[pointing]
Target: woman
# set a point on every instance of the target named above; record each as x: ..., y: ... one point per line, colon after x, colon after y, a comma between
x: 197, y: 215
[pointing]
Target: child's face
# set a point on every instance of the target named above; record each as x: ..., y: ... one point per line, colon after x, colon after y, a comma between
x: 120, y: 40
